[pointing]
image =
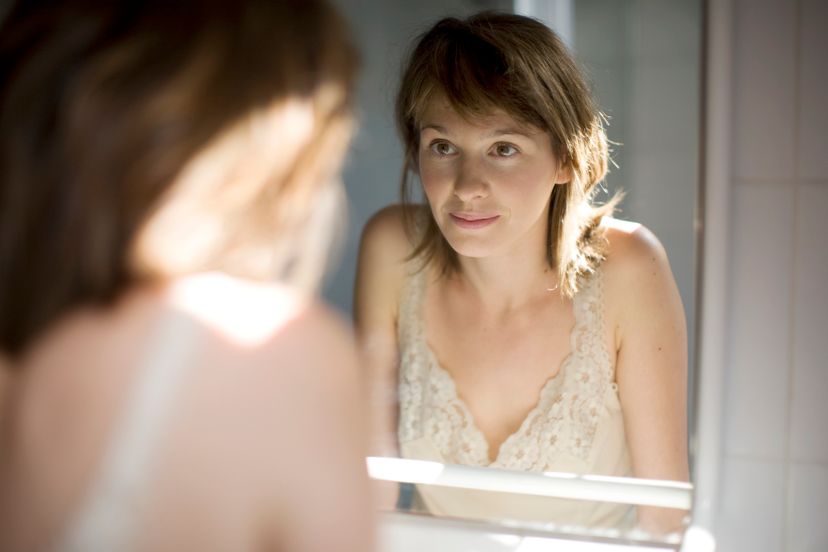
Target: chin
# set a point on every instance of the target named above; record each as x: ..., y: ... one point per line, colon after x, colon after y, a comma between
x: 470, y: 248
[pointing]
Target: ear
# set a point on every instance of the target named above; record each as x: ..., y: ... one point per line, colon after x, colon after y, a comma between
x: 564, y: 173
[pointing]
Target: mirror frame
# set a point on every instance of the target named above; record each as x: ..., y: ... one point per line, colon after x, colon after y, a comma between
x: 714, y: 230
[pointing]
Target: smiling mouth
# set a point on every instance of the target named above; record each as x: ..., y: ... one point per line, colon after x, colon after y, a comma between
x: 473, y: 220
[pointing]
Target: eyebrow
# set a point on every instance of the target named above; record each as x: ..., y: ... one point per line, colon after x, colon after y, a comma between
x: 497, y: 132
x: 433, y: 126
x: 512, y: 130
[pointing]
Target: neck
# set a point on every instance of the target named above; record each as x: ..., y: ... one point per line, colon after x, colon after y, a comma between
x: 507, y: 282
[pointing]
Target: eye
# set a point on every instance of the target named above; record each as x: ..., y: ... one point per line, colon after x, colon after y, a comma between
x: 504, y: 149
x: 442, y: 148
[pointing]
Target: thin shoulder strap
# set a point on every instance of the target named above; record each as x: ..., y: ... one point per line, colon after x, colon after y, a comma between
x: 594, y: 368
x: 109, y: 516
x: 590, y: 322
x: 409, y: 323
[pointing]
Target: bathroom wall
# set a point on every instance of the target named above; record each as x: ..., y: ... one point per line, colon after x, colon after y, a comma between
x: 643, y: 60
x: 774, y: 486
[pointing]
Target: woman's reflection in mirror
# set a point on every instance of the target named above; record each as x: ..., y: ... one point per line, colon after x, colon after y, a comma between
x: 523, y: 327
x: 169, y: 381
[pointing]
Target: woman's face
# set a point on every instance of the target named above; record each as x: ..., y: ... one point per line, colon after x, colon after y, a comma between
x: 488, y: 180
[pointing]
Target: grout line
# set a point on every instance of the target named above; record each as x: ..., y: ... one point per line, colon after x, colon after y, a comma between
x: 797, y: 85
x: 813, y: 181
x: 788, y: 181
x: 809, y: 463
x: 747, y: 457
x: 784, y: 180
x: 781, y: 459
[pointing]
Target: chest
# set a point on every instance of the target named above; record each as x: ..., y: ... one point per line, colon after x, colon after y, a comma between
x: 498, y: 364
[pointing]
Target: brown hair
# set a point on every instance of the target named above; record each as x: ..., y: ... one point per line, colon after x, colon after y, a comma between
x: 514, y: 63
x: 126, y: 127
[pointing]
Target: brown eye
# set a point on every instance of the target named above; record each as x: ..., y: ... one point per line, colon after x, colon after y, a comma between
x: 442, y: 148
x: 505, y: 150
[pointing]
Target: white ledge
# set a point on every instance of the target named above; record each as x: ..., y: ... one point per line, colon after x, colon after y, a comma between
x: 625, y: 490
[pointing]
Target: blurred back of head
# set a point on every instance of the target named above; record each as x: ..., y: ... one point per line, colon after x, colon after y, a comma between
x: 141, y: 141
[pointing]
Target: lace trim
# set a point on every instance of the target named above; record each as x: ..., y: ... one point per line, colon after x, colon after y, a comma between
x: 569, y: 407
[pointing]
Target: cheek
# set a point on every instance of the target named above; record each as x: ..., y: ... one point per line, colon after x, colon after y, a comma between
x: 434, y: 181
x: 530, y: 186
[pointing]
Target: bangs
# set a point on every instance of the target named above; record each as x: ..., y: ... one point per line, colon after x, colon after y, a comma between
x: 476, y: 76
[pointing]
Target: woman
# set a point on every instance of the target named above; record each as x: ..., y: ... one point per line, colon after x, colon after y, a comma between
x: 525, y: 328
x: 168, y: 177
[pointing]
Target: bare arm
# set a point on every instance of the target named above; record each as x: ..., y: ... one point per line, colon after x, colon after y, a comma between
x: 380, y: 274
x: 379, y: 277
x: 651, y: 369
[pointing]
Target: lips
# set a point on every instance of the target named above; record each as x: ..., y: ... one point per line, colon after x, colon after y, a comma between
x: 473, y: 220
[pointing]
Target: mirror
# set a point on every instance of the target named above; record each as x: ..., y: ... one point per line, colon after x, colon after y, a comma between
x: 642, y: 58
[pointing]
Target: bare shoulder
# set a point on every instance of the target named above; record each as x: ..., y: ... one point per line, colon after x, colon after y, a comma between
x: 264, y: 337
x: 267, y: 341
x: 385, y: 235
x: 292, y: 396
x: 632, y: 246
x: 254, y: 315
x: 636, y: 271
x: 270, y: 349
x: 383, y: 254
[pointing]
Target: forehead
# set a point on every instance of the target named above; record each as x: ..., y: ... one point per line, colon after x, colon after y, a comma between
x: 438, y: 111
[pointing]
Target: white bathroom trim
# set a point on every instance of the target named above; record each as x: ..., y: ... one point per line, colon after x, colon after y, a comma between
x: 625, y: 490
x: 715, y: 264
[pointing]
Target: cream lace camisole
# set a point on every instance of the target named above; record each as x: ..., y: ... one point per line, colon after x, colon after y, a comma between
x: 576, y: 426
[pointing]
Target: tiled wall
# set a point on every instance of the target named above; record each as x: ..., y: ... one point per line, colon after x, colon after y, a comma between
x: 775, y: 473
x: 642, y: 59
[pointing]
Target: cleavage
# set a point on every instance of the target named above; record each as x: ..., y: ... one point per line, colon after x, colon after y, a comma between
x: 498, y: 368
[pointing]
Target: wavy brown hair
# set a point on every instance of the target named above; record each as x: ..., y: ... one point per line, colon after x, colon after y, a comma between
x: 146, y: 140
x: 502, y: 61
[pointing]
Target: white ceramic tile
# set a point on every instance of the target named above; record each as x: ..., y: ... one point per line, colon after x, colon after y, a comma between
x: 808, y: 505
x: 813, y: 90
x: 659, y: 29
x: 809, y: 413
x: 752, y: 511
x: 756, y: 383
x: 764, y: 89
x: 664, y: 106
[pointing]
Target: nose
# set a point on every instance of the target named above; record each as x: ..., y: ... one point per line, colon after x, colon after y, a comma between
x: 470, y: 182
